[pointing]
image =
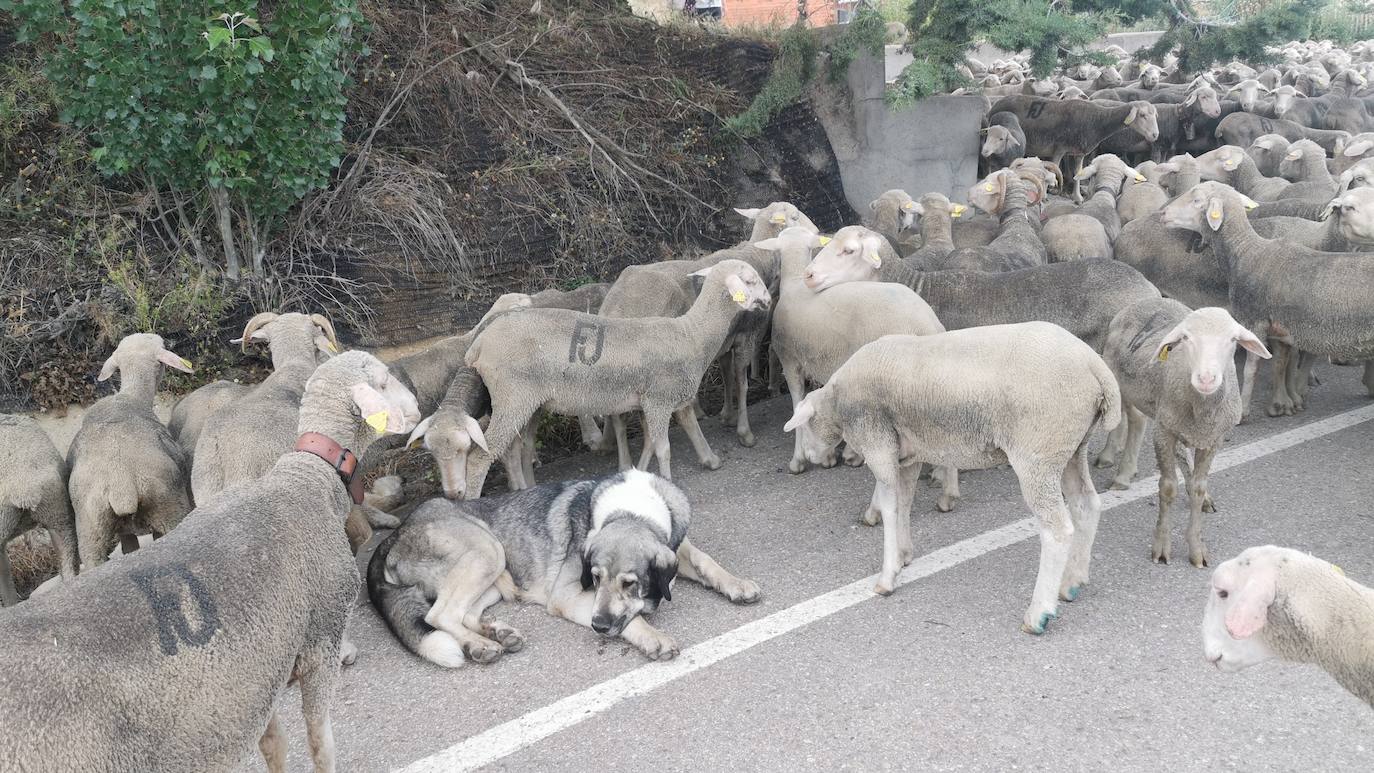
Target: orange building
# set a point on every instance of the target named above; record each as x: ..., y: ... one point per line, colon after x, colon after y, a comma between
x: 820, y: 13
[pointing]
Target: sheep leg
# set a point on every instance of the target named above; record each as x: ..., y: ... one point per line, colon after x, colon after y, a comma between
x: 701, y: 568
x: 656, y: 433
x: 796, y: 388
x: 622, y: 441
x: 687, y: 418
x: 1197, y: 498
x: 851, y: 457
x: 61, y: 527
x: 591, y: 433
x: 528, y: 449
x: 727, y: 370
x: 1165, y: 448
x: 909, y: 478
x: 1085, y: 507
x: 1297, y: 381
x: 128, y: 542
x: 1368, y: 378
x: 1282, y: 403
x: 1041, y: 487
x: 740, y: 365
x: 273, y: 746
x: 1247, y: 389
x: 9, y: 595
x: 1111, y: 451
x: 1135, y: 424
x: 950, y: 494
x: 95, y: 537
x: 874, y: 514
x: 317, y: 689
x: 887, y: 497
x: 774, y: 373
x: 510, y: 411
x: 515, y: 467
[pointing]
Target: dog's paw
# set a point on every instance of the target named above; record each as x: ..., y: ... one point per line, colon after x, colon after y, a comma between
x: 510, y: 639
x: 741, y: 591
x: 483, y: 651
x: 660, y: 647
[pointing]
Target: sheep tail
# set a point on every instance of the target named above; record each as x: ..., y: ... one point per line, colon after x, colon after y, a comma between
x: 1110, y: 409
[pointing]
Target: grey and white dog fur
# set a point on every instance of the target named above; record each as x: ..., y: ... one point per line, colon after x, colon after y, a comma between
x: 602, y: 553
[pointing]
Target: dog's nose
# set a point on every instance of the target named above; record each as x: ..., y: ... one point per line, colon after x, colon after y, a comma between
x: 601, y: 624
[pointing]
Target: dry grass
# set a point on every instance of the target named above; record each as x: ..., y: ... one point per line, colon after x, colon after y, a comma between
x: 33, y: 559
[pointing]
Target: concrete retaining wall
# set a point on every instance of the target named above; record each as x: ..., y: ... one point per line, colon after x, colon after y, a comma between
x: 930, y: 146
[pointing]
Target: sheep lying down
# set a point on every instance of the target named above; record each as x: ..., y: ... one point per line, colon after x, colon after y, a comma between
x: 1027, y: 394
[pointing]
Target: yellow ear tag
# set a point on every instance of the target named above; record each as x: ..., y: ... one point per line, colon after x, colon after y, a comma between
x: 1214, y: 214
x: 1140, y: 178
x: 824, y: 240
x: 1249, y: 205
x: 957, y: 210
x: 737, y: 296
x: 1128, y: 120
x: 377, y: 421
x: 1339, y: 570
x: 185, y: 362
x: 778, y: 219
x: 331, y: 347
x: 988, y: 187
x: 1164, y: 354
x: 877, y: 262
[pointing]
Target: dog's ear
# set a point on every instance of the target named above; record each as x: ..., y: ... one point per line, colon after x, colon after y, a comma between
x: 661, y: 575
x: 588, y: 581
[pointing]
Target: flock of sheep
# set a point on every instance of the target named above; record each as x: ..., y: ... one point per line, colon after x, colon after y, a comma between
x: 933, y: 337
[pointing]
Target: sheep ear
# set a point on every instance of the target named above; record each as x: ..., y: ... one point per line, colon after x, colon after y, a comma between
x: 1249, y: 609
x: 871, y: 245
x: 1192, y: 97
x: 805, y: 410
x: 475, y: 432
x: 1248, y: 202
x: 737, y: 290
x: 772, y: 245
x: 1168, y: 342
x: 749, y: 213
x: 1264, y: 143
x: 1251, y: 342
x: 1129, y: 118
x: 873, y: 205
x: 108, y: 369
x: 326, y: 329
x: 376, y: 410
x: 175, y: 362
x: 702, y: 272
x: 1215, y: 213
x: 418, y: 434
x: 1358, y: 148
x: 1328, y: 210
x: 1086, y: 172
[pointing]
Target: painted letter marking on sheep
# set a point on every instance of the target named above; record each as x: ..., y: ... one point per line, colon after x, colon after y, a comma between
x: 167, y: 601
x: 581, y: 338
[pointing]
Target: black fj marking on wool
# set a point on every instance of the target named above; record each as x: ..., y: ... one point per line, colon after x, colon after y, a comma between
x: 1267, y: 125
x: 1147, y: 331
x: 588, y: 339
x: 1036, y: 109
x: 166, y: 588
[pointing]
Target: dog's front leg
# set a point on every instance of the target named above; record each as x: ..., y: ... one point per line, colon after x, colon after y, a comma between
x: 699, y: 567
x: 578, y: 605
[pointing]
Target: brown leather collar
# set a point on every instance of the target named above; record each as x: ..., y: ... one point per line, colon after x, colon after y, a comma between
x: 341, y: 459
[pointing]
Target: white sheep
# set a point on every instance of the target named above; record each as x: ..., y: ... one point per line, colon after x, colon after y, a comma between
x: 815, y: 333
x: 1027, y: 395
x: 33, y: 492
x: 1272, y: 602
x: 1177, y: 367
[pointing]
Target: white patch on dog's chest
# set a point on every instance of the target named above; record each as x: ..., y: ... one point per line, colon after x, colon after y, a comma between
x: 636, y: 495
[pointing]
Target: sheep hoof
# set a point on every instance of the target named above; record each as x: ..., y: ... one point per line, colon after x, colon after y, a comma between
x: 1103, y: 461
x: 945, y: 503
x: 1208, y: 506
x: 747, y: 439
x: 1198, y: 557
x: 796, y: 467
x: 871, y: 517
x: 348, y: 653
x: 711, y: 462
x: 883, y: 588
x: 1040, y: 625
x: 1279, y: 408
x: 1119, y: 485
x: 1071, y: 593
x: 1160, y: 555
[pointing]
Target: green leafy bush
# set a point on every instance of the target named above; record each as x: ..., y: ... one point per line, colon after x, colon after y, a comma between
x: 201, y: 98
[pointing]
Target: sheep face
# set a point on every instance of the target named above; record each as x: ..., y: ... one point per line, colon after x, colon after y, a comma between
x: 769, y: 221
x: 1206, y: 341
x: 1144, y: 120
x: 818, y: 430
x: 851, y: 256
x: 1360, y: 175
x: 1293, y: 163
x: 1220, y: 163
x: 1000, y: 141
x: 1237, y: 609
x: 450, y: 435
x: 1249, y: 92
x: 1150, y: 75
x: 900, y: 205
x: 1356, y: 211
x: 1201, y: 208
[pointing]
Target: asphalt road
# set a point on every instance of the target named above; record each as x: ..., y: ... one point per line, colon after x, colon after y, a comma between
x: 822, y: 675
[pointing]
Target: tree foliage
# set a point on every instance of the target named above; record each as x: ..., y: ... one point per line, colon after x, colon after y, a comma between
x: 942, y: 32
x: 201, y: 98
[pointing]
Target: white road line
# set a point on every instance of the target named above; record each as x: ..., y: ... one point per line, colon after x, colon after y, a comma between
x: 509, y: 737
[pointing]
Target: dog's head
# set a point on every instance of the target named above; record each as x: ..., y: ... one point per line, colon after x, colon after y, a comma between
x: 631, y: 570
